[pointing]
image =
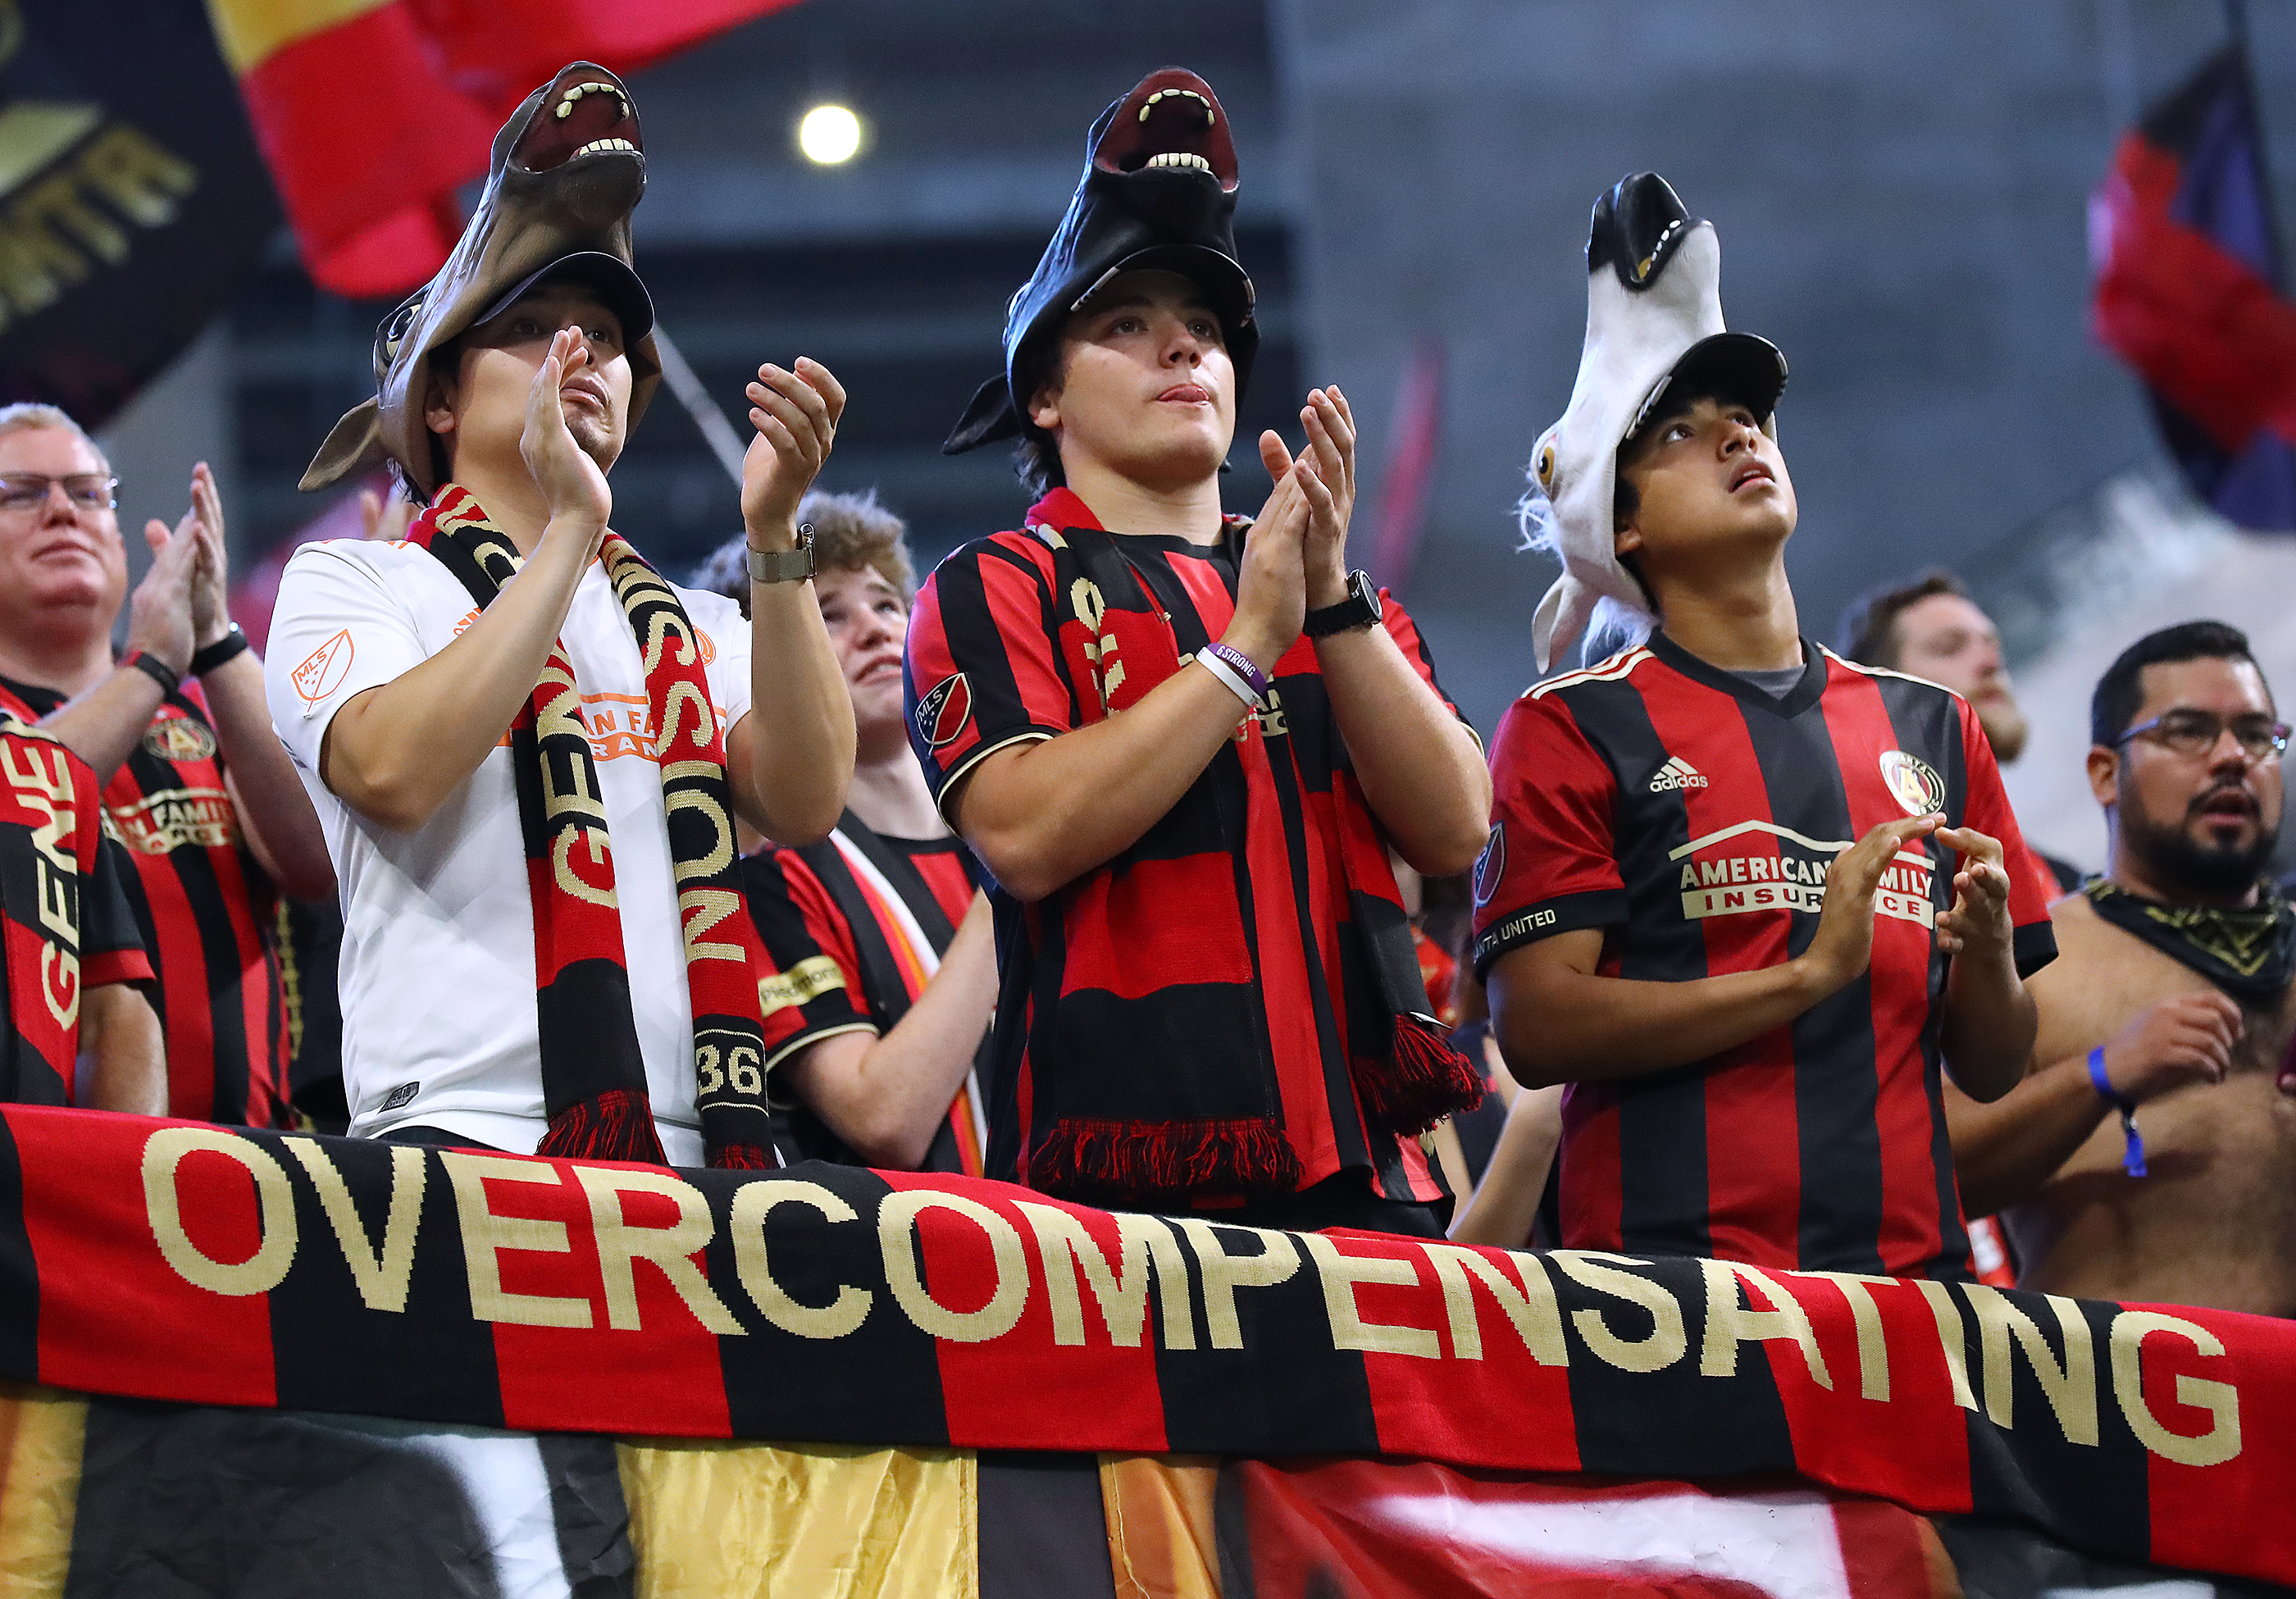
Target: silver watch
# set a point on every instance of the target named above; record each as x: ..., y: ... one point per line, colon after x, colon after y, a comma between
x: 784, y: 566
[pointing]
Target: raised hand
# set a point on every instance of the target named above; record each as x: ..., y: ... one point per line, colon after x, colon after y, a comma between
x: 1979, y: 922
x: 1271, y: 595
x: 1329, y: 484
x: 1842, y: 947
x: 572, y: 484
x: 796, y: 415
x: 2187, y: 1038
x: 160, y: 613
x: 211, y: 582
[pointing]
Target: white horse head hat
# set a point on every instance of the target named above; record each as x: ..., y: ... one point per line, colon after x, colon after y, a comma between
x: 1653, y: 320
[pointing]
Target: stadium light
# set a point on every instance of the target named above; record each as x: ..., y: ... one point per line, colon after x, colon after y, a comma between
x: 829, y: 135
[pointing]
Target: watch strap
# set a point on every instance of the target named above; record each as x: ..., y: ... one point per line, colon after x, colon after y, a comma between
x: 229, y: 646
x: 784, y: 566
x: 1360, y: 608
x: 157, y: 670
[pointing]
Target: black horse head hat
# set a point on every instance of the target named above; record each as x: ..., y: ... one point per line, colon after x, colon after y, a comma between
x: 1159, y: 191
x: 567, y: 169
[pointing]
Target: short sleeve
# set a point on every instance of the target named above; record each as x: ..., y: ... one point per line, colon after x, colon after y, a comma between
x: 982, y: 669
x: 1408, y: 639
x: 337, y: 631
x: 1987, y: 809
x: 725, y: 638
x: 810, y: 986
x: 1550, y: 866
x: 111, y: 947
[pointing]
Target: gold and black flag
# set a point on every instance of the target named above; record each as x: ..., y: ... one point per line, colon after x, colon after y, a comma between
x: 132, y: 197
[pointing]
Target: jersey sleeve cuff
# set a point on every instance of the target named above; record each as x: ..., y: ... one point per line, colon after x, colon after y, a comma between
x: 958, y: 773
x: 1570, y: 913
x: 790, y: 1047
x: 103, y: 966
x: 2034, y: 945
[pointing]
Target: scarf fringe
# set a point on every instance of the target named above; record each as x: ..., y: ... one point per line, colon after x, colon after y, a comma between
x: 1424, y: 1080
x: 617, y: 1125
x: 1176, y: 1160
x: 742, y: 1157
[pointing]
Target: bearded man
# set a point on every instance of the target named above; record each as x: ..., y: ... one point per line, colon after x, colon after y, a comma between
x: 2149, y: 1156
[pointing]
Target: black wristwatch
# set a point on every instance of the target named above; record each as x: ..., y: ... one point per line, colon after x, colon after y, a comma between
x: 1360, y: 608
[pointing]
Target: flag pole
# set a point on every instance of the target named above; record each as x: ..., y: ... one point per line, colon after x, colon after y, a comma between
x: 718, y: 433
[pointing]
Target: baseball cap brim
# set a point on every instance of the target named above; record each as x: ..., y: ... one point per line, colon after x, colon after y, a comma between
x: 609, y: 275
x: 1743, y: 367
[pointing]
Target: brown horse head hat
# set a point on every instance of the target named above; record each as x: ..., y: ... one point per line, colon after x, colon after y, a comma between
x: 566, y: 171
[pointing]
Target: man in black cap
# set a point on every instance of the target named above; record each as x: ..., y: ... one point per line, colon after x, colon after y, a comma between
x: 1721, y: 899
x: 525, y: 744
x: 1183, y: 751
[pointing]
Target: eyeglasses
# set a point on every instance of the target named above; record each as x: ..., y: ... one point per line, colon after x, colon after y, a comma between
x: 27, y: 491
x: 2197, y: 732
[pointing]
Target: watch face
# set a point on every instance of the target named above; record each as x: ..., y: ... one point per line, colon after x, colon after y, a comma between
x: 1361, y: 588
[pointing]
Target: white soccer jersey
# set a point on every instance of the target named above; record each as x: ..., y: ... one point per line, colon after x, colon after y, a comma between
x: 437, y: 961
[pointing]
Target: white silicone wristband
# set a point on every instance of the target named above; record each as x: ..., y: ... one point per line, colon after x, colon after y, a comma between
x: 1228, y: 674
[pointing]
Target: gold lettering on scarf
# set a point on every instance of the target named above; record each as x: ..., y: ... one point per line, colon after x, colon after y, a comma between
x: 485, y: 1233
x: 1531, y: 1308
x: 1064, y: 1246
x: 2070, y: 1385
x: 1667, y: 1342
x: 382, y: 1276
x: 683, y: 694
x: 2220, y: 1400
x: 1873, y: 1347
x: 601, y: 856
x: 164, y: 1153
x: 704, y: 909
x: 753, y: 1202
x: 740, y: 1063
x: 1341, y: 1276
x: 897, y: 1228
x: 1107, y: 672
x: 41, y: 779
x: 60, y: 984
x: 696, y: 798
x: 1952, y: 1340
x: 669, y: 1249
x: 1731, y: 1322
x: 1275, y: 1261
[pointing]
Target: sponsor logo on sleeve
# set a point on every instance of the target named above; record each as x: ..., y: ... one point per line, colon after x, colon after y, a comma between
x: 1913, y: 783
x: 801, y: 984
x: 323, y: 669
x: 944, y: 711
x: 1491, y: 864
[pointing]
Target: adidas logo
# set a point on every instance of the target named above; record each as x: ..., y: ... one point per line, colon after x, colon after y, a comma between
x: 1676, y: 774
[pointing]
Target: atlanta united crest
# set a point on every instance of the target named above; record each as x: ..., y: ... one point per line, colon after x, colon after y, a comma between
x: 179, y: 738
x: 1913, y: 783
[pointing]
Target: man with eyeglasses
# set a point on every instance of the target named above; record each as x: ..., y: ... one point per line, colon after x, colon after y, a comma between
x: 2148, y: 1154
x: 194, y: 782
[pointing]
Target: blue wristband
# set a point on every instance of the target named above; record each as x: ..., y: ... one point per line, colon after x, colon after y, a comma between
x: 2132, y: 1156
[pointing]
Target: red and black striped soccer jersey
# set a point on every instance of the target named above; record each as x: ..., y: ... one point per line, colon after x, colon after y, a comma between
x: 1167, y: 1024
x: 1691, y: 816
x: 843, y: 958
x: 206, y: 911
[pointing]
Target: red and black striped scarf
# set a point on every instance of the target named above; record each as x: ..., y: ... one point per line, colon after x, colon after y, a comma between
x: 1209, y: 1119
x: 51, y: 826
x: 594, y: 1079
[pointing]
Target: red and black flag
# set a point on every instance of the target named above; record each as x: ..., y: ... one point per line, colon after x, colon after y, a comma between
x: 2187, y: 261
x: 132, y: 198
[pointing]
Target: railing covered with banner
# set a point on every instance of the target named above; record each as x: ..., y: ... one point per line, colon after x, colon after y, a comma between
x: 885, y: 1319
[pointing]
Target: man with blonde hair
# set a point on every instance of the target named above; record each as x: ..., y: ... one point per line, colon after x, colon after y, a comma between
x: 177, y: 734
x: 885, y: 969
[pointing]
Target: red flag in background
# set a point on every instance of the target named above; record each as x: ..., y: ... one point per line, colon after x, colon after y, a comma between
x: 372, y: 112
x: 1412, y: 443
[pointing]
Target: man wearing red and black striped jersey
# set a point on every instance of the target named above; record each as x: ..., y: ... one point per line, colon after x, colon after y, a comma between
x: 883, y: 971
x: 1721, y: 897
x: 194, y: 782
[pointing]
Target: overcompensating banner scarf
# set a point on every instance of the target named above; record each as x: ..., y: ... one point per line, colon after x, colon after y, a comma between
x: 225, y: 1266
